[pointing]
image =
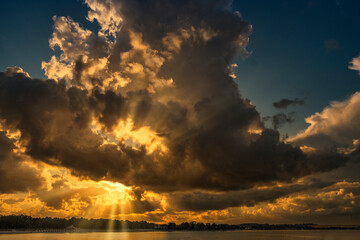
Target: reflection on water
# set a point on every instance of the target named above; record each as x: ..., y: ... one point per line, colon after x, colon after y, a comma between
x: 208, y: 235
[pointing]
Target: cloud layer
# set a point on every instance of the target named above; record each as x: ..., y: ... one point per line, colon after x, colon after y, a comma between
x: 171, y: 86
x: 150, y: 101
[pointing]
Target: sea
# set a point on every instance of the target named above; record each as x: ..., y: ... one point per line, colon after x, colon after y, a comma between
x: 193, y: 235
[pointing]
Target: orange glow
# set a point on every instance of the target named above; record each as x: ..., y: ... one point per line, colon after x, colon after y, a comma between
x: 125, y: 132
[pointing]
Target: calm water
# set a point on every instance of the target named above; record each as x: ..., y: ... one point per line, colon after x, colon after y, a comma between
x: 231, y: 235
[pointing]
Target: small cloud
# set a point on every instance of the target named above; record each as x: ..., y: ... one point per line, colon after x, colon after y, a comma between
x: 355, y: 64
x: 280, y: 119
x: 284, y: 103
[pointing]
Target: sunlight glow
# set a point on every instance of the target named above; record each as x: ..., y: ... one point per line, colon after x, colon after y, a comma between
x: 126, y: 132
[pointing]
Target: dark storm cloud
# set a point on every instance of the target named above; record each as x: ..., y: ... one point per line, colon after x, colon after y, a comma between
x: 201, y: 201
x: 284, y: 103
x: 14, y: 174
x: 54, y: 122
x: 202, y: 119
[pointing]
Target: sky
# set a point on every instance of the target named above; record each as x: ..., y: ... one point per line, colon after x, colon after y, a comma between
x: 210, y: 111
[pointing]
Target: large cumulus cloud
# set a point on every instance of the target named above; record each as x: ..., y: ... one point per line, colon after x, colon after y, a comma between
x: 166, y: 72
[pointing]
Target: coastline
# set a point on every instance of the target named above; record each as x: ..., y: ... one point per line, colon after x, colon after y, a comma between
x: 77, y: 231
x: 50, y: 231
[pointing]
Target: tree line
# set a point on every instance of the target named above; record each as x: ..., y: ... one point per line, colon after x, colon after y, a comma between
x: 23, y: 222
x: 28, y: 222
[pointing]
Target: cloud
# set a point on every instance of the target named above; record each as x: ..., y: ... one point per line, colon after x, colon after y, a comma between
x: 70, y: 38
x: 284, y: 103
x: 106, y: 14
x: 201, y: 201
x: 17, y: 171
x: 336, y: 126
x: 279, y: 119
x: 15, y: 174
x: 355, y: 64
x: 333, y: 204
x: 141, y: 202
x: 152, y: 103
x: 63, y: 198
x: 59, y: 130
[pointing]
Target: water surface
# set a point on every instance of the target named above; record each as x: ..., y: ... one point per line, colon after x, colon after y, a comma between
x: 206, y: 235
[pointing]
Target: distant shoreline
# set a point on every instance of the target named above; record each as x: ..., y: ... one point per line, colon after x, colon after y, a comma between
x: 26, y: 224
x: 78, y: 231
x: 51, y: 231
